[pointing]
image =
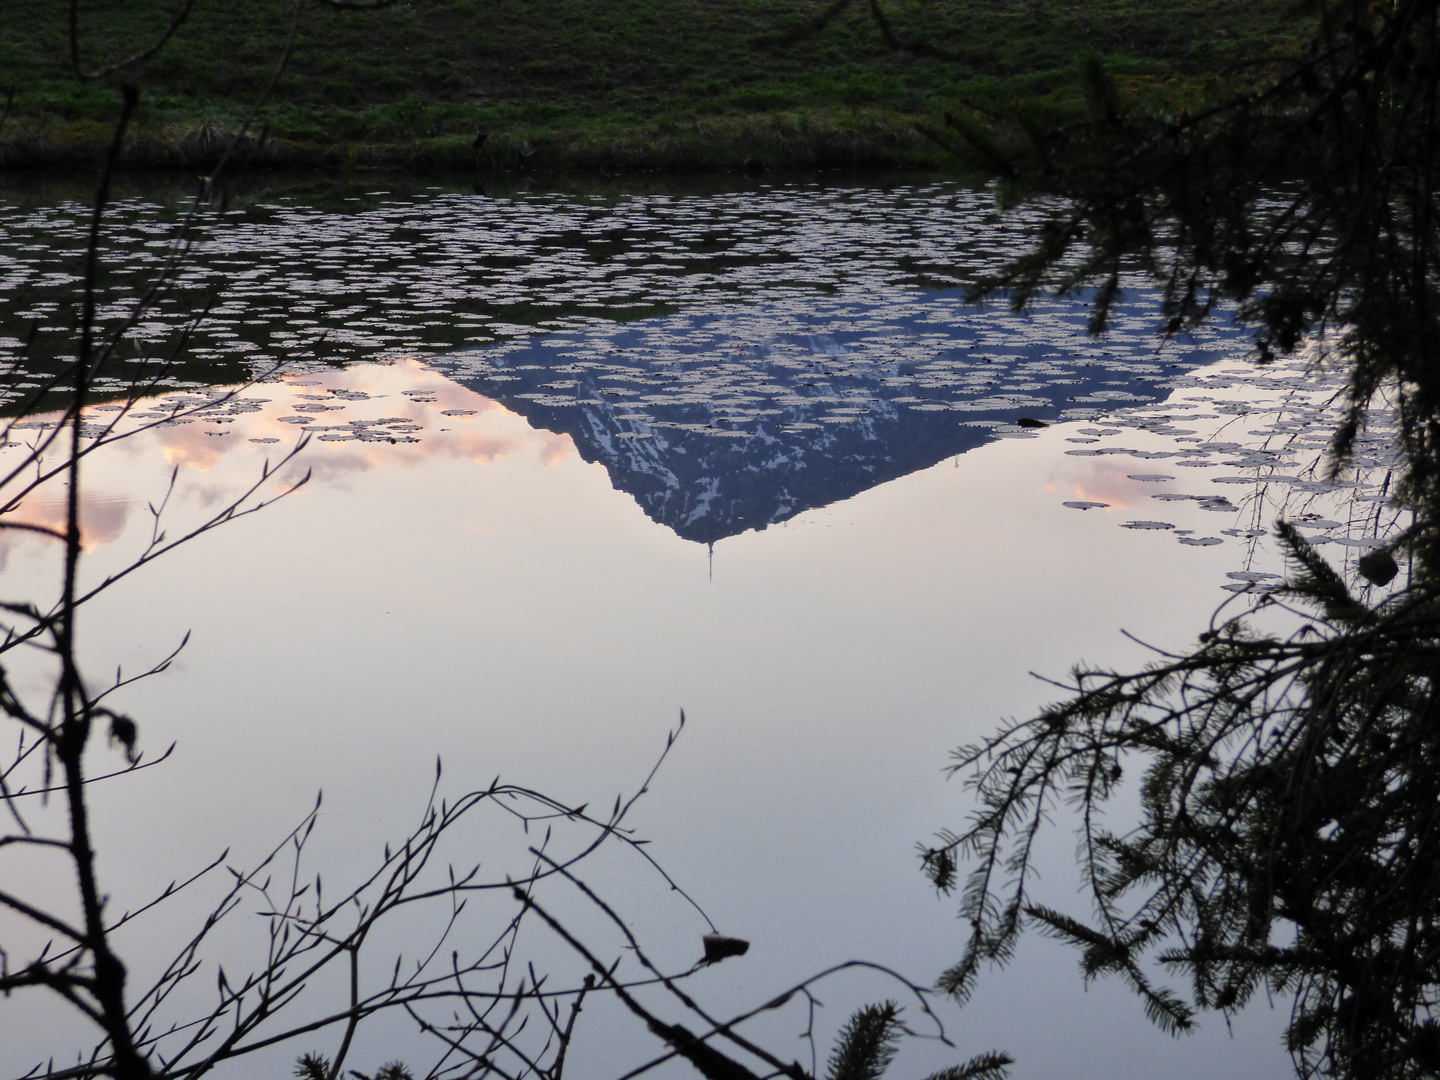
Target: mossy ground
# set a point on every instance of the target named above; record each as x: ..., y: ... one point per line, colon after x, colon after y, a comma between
x: 575, y: 85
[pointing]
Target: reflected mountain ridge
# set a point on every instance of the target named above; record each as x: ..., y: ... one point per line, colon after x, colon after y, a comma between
x: 725, y: 422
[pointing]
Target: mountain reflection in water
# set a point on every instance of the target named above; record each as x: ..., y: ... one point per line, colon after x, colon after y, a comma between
x: 718, y: 423
x: 809, y: 352
x: 456, y: 581
x: 749, y: 428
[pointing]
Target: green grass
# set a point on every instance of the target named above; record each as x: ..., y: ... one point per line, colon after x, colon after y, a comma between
x: 578, y: 84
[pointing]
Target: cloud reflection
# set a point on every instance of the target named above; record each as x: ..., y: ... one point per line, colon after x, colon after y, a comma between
x: 1109, y: 480
x: 362, y: 419
x: 102, y: 520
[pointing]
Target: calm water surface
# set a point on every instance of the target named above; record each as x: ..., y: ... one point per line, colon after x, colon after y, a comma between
x: 580, y: 462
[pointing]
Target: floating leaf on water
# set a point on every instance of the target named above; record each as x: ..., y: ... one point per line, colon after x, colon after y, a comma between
x: 1081, y: 504
x: 1150, y: 478
x: 1201, y: 541
x: 1146, y: 525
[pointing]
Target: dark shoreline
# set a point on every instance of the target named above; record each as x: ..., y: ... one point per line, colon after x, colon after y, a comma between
x: 753, y: 145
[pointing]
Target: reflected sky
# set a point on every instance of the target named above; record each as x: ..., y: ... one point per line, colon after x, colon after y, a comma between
x: 457, y: 581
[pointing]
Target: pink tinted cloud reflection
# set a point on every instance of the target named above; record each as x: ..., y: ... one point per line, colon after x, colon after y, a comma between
x: 1104, y: 480
x: 363, y: 419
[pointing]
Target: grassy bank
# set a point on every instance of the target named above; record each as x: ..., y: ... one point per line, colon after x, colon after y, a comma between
x: 578, y: 86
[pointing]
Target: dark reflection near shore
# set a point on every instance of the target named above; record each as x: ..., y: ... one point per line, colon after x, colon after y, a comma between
x: 719, y: 423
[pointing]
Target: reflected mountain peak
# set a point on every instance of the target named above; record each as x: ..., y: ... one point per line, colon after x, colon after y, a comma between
x: 735, y: 420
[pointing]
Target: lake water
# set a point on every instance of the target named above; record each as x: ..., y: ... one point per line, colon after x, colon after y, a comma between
x: 580, y: 461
